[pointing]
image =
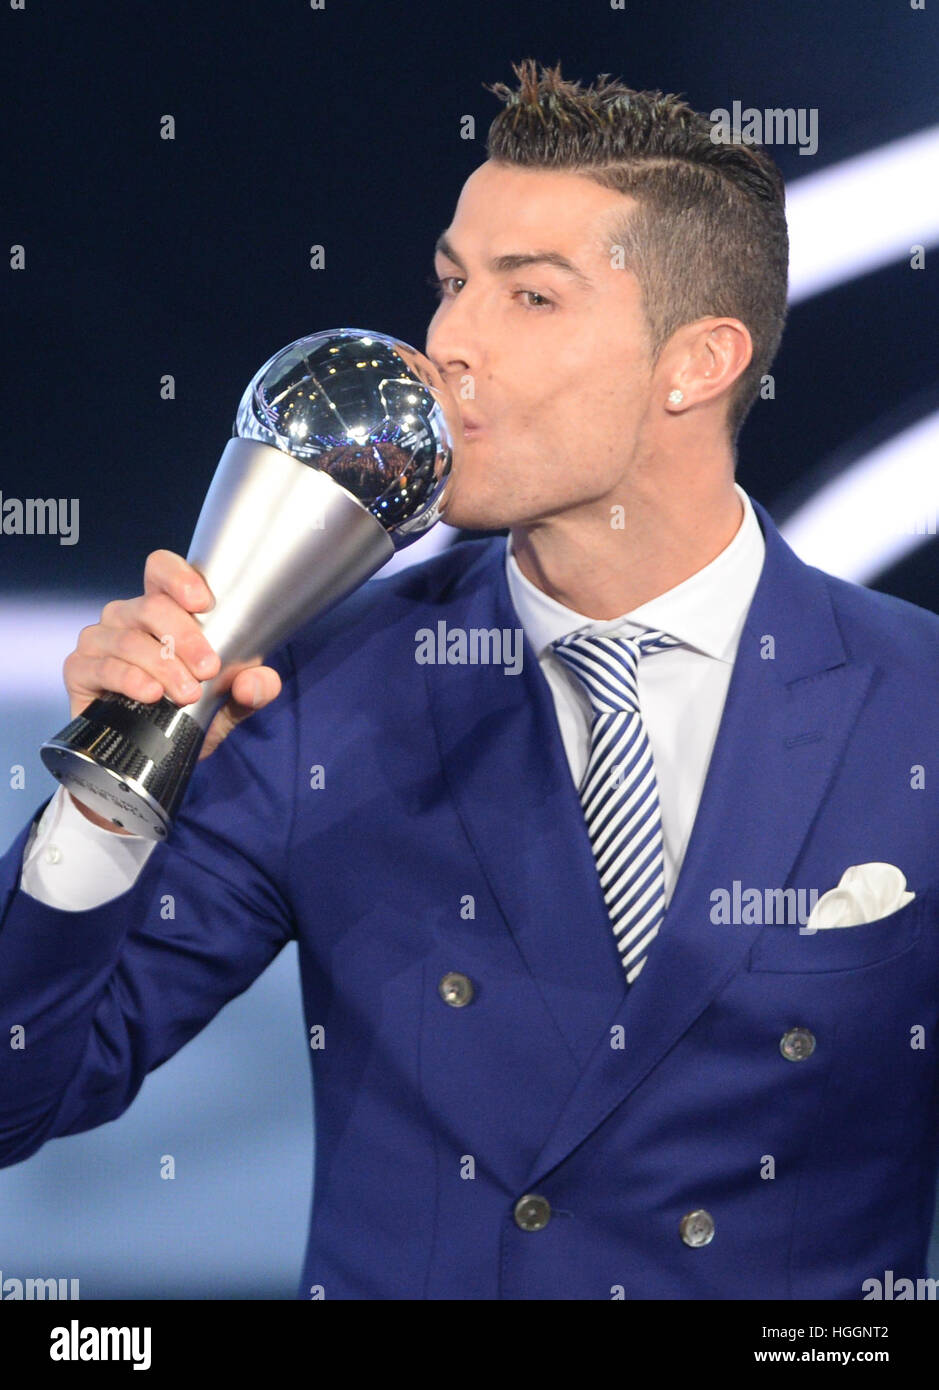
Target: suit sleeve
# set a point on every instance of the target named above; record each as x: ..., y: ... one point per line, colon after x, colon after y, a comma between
x: 93, y: 1000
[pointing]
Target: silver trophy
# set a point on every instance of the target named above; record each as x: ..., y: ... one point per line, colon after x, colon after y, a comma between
x: 341, y: 450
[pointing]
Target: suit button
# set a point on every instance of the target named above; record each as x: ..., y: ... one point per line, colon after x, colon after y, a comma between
x: 532, y: 1212
x: 797, y: 1044
x: 455, y: 989
x: 697, y: 1228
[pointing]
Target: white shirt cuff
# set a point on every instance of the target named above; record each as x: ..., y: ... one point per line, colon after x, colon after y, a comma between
x: 72, y: 864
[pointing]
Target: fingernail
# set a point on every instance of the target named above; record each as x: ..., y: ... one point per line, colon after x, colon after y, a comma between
x: 197, y: 593
x: 258, y: 692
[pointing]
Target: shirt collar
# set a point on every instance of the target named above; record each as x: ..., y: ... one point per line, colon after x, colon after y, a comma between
x: 705, y: 611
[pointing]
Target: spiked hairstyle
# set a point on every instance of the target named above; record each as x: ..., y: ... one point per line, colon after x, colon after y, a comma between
x: 708, y: 233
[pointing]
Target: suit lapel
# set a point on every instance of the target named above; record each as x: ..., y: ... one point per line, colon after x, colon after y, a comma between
x: 507, y: 770
x: 784, y: 727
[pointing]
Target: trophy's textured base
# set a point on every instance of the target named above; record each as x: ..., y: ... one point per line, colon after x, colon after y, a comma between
x: 128, y: 761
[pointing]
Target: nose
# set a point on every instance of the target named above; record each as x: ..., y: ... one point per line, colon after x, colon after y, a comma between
x: 452, y: 342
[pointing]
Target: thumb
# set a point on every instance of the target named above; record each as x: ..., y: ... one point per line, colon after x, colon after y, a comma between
x: 251, y: 690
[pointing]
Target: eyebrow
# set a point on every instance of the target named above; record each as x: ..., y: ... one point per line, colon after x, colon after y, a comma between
x: 501, y: 265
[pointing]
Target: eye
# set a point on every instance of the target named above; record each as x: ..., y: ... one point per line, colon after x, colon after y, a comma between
x: 533, y: 294
x: 439, y: 283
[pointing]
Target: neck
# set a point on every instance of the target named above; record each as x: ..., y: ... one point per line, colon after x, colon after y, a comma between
x: 607, y: 558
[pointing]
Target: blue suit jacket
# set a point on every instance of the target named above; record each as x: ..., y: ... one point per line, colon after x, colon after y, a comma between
x: 448, y: 836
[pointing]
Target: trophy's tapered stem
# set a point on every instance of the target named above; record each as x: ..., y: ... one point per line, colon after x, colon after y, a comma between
x: 278, y: 544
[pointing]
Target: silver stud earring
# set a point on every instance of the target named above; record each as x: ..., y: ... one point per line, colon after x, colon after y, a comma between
x: 676, y: 397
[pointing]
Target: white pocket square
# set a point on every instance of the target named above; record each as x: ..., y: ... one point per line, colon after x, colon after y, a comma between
x: 866, y: 892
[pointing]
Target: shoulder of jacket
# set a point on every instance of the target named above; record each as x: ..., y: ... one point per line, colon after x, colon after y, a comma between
x: 384, y: 601
x: 869, y: 619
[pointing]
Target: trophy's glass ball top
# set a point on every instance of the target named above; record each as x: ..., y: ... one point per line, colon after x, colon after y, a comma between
x: 366, y: 409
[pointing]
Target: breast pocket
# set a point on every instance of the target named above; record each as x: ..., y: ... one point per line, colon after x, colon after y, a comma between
x: 787, y: 950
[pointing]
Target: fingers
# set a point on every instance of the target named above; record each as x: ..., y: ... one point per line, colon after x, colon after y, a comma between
x: 152, y: 645
x: 147, y: 646
x: 255, y: 687
x: 163, y: 618
x: 168, y: 573
x: 139, y: 663
x: 251, y: 690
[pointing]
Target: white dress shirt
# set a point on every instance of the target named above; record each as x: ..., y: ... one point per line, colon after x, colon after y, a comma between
x: 72, y: 864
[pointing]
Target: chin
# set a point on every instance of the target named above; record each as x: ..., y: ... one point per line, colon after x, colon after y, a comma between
x: 475, y: 519
x: 469, y: 511
x: 475, y: 501
x: 488, y: 514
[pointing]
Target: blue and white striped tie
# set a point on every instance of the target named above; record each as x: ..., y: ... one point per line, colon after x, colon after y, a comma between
x: 619, y: 792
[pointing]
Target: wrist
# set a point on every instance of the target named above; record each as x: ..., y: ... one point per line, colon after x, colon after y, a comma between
x: 97, y: 819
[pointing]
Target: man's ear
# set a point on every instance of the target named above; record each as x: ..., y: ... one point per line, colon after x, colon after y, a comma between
x: 701, y: 362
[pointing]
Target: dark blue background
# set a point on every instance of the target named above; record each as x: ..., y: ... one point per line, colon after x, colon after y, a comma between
x: 341, y: 127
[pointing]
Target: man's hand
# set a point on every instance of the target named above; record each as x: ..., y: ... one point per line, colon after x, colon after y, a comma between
x: 128, y: 652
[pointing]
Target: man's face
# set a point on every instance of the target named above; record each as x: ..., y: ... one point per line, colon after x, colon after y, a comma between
x: 558, y: 361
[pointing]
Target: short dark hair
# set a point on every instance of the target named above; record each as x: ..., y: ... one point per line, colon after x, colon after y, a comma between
x: 708, y: 235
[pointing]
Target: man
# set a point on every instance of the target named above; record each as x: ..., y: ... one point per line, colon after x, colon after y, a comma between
x: 567, y: 1053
